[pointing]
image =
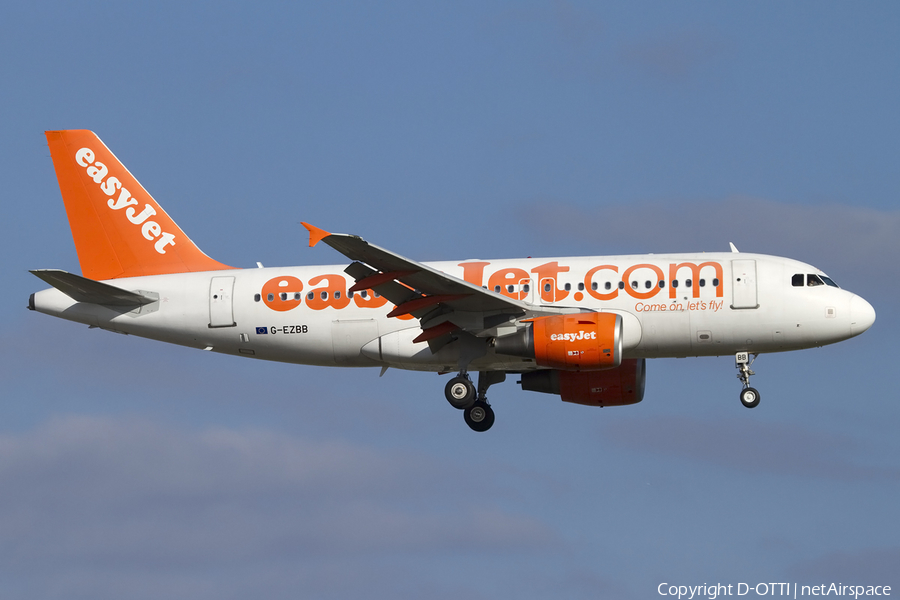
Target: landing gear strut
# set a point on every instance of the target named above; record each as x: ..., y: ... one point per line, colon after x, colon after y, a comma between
x: 462, y: 394
x: 749, y: 396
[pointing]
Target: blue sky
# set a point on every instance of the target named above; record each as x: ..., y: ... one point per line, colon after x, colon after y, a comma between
x: 448, y: 131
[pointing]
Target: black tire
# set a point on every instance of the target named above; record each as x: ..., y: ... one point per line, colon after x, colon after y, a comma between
x: 749, y: 397
x: 479, y: 416
x: 460, y: 393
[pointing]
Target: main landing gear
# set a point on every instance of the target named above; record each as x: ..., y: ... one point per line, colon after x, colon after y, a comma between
x: 749, y: 395
x: 462, y: 394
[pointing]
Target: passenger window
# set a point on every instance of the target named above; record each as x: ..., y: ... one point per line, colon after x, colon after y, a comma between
x: 662, y: 283
x: 797, y: 280
x: 580, y: 287
x: 621, y: 285
x: 716, y: 282
x: 674, y: 283
x: 608, y: 286
x: 527, y: 288
x: 349, y: 294
x: 323, y: 295
x: 510, y: 288
x: 568, y: 287
x: 271, y: 297
x: 634, y: 285
x: 497, y: 288
x: 594, y: 285
x: 648, y: 284
x: 702, y: 283
x: 310, y: 295
x: 283, y: 296
x: 337, y: 294
x: 687, y: 283
x: 546, y: 287
x: 257, y: 298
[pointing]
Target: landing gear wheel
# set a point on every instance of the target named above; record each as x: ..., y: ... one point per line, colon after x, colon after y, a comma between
x: 460, y: 392
x: 479, y: 416
x: 749, y: 397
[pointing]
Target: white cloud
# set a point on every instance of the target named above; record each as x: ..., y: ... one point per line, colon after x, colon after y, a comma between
x: 776, y: 448
x: 103, y: 497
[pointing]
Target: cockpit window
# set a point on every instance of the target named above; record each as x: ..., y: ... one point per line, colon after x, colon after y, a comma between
x: 812, y: 280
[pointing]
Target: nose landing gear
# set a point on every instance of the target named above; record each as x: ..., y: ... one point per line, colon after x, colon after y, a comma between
x: 749, y: 396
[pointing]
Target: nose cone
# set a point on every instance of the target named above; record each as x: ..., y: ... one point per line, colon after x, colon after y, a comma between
x: 862, y: 315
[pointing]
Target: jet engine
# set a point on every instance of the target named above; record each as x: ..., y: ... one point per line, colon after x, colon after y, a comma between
x: 613, y: 387
x: 576, y: 342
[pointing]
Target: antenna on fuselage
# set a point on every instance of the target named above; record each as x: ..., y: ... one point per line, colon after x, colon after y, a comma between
x: 733, y: 247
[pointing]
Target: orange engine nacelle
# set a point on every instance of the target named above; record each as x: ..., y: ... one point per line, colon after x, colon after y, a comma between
x: 613, y: 387
x: 577, y: 342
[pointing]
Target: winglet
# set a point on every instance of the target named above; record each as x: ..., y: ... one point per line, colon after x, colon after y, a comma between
x: 315, y: 234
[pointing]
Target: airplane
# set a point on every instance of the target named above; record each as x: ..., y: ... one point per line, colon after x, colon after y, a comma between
x: 581, y: 328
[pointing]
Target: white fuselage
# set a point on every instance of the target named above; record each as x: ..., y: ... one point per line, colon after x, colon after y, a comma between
x: 672, y: 306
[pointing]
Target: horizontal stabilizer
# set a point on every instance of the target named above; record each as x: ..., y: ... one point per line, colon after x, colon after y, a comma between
x: 82, y: 289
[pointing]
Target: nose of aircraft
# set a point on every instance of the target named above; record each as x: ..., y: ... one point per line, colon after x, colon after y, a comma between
x: 862, y: 315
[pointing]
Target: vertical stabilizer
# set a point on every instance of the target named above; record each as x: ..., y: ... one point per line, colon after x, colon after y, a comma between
x: 118, y: 228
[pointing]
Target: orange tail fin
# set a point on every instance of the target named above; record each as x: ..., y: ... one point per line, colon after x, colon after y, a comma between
x: 119, y: 229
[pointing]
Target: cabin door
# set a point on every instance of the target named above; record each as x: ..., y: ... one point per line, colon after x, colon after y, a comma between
x: 743, y: 284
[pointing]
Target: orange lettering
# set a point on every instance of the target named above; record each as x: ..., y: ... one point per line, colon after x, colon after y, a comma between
x: 273, y: 289
x: 473, y: 272
x: 695, y: 274
x: 550, y: 270
x: 334, y: 294
x: 506, y: 277
x: 369, y: 301
x: 589, y: 283
x: 654, y: 289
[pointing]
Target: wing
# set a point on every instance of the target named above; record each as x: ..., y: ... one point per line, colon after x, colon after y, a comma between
x: 442, y: 303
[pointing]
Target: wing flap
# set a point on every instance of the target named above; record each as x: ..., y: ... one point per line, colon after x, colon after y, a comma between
x: 435, y: 332
x: 384, y: 284
x: 418, y: 305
